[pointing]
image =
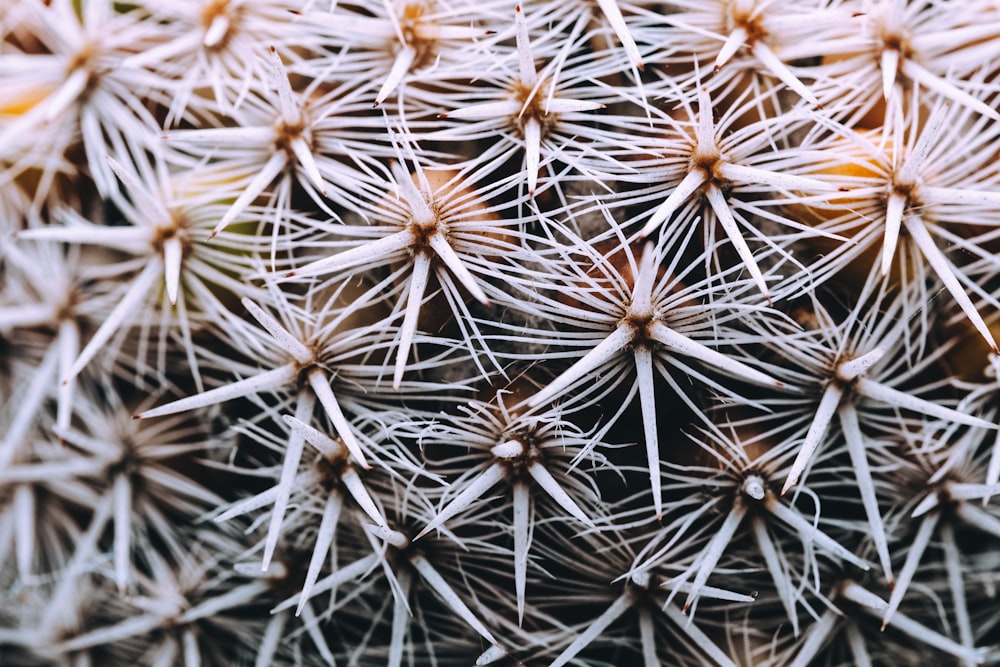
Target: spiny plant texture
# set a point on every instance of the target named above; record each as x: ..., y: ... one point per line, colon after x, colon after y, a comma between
x: 454, y: 332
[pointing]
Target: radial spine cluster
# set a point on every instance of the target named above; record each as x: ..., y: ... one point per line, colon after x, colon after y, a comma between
x: 454, y: 332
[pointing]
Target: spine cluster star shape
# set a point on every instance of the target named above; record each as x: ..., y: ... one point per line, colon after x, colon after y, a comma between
x: 454, y: 332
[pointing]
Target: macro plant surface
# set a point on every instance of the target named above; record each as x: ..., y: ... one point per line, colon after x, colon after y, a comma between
x: 413, y: 332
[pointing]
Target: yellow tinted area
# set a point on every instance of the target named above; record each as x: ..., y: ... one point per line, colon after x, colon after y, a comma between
x: 16, y: 103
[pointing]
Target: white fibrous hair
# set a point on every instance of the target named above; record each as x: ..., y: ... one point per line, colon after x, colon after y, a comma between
x: 454, y: 332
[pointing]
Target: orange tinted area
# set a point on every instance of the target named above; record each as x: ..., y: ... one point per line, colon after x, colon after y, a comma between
x: 413, y: 11
x: 18, y: 102
x: 211, y: 10
x: 856, y: 166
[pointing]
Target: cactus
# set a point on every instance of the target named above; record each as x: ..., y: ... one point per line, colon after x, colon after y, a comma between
x: 438, y: 332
